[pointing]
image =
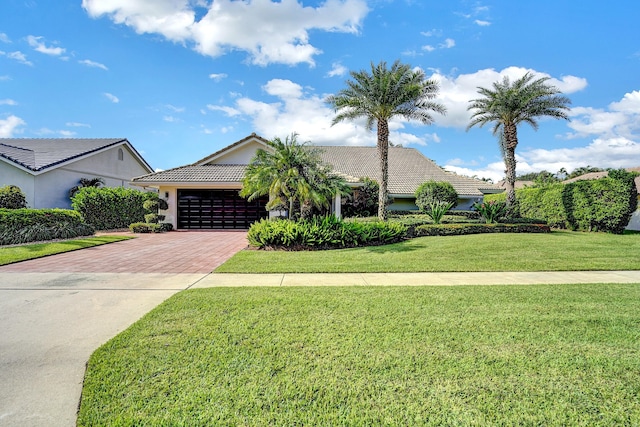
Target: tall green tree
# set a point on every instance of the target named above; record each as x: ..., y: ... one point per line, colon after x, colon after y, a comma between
x: 378, y: 96
x: 507, y: 105
x: 293, y: 176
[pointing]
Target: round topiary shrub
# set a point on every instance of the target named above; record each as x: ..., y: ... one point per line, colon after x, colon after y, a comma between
x: 434, y: 193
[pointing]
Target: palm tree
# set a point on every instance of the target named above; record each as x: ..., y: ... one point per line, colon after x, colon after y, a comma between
x: 509, y: 104
x: 85, y: 182
x: 292, y: 175
x: 380, y: 95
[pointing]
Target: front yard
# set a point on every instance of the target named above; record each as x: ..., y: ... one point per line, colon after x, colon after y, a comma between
x: 496, y: 355
x: 555, y: 251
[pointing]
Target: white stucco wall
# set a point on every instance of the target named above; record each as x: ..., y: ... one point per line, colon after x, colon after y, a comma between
x: 11, y: 175
x: 241, y: 155
x: 51, y: 189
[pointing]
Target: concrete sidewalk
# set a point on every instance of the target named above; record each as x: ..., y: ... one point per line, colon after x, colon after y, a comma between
x: 418, y: 279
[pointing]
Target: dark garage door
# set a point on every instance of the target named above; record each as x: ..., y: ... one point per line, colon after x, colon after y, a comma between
x: 217, y: 209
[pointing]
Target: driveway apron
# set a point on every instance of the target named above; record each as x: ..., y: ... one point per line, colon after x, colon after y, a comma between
x: 55, y: 311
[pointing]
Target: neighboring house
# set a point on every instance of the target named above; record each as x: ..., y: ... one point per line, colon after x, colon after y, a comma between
x: 46, y: 169
x: 204, y: 195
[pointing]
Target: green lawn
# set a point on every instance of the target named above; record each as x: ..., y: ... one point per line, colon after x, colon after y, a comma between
x: 556, y: 251
x: 13, y: 254
x: 362, y: 356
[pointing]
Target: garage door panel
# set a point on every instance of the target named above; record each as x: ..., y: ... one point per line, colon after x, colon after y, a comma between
x: 217, y: 209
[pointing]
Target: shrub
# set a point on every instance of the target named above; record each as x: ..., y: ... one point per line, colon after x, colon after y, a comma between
x: 30, y: 225
x: 363, y: 201
x: 491, y: 211
x: 110, y: 208
x: 436, y: 210
x: 322, y: 233
x: 463, y: 229
x: 11, y: 197
x: 431, y: 192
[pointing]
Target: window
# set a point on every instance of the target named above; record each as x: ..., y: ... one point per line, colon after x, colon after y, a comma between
x: 120, y: 154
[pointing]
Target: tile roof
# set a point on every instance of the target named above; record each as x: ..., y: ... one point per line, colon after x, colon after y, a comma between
x: 38, y: 154
x: 193, y: 174
x: 408, y: 168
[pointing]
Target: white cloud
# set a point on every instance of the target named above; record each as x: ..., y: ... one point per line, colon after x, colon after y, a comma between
x: 229, y: 111
x: 432, y: 33
x: 10, y: 125
x: 268, y: 31
x: 175, y: 109
x: 77, y: 125
x: 448, y: 44
x: 428, y: 48
x: 171, y: 119
x: 5, y: 78
x: 111, y: 97
x: 4, y: 38
x: 39, y: 46
x: 217, y: 76
x: 67, y: 133
x: 337, y: 69
x: 90, y: 63
x: 17, y: 56
x: 482, y: 23
x: 8, y: 102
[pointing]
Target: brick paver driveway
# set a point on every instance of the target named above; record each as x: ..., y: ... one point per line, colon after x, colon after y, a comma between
x: 55, y: 311
x: 173, y: 252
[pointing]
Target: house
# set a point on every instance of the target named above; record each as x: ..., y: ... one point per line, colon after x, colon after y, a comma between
x: 46, y: 169
x: 204, y: 195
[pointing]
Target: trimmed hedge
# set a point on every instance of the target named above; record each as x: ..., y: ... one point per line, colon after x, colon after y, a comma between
x: 322, y: 233
x: 146, y: 227
x: 111, y: 208
x: 31, y: 225
x: 433, y: 192
x: 604, y: 204
x: 462, y: 229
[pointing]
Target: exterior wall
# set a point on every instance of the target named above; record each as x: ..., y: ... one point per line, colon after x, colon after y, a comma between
x: 239, y: 156
x: 52, y: 188
x: 634, y: 222
x: 11, y: 175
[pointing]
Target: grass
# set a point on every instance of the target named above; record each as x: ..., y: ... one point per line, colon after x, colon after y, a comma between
x: 494, y: 355
x: 556, y: 251
x: 13, y: 254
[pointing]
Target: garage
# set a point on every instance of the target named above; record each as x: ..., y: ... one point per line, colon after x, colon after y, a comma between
x: 217, y: 210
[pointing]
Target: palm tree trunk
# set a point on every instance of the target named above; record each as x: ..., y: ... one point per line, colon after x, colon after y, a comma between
x: 383, y: 155
x: 510, y: 141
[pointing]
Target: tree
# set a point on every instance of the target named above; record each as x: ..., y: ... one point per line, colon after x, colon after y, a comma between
x: 85, y: 183
x: 583, y: 170
x: 380, y: 95
x: 293, y: 176
x: 509, y: 104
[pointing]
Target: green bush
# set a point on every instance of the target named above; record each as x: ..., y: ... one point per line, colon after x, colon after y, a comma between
x: 363, y: 201
x: 463, y: 229
x: 431, y: 192
x: 491, y: 211
x: 604, y: 204
x: 30, y: 225
x: 437, y: 210
x: 111, y: 208
x: 145, y: 227
x: 322, y: 233
x: 11, y: 197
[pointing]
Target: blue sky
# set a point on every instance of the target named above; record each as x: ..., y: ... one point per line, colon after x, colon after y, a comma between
x: 184, y: 78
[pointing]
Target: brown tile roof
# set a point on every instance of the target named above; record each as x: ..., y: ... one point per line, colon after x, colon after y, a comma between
x: 192, y: 174
x: 408, y: 168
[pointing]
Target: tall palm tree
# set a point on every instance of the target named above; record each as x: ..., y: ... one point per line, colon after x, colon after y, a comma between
x: 292, y: 175
x: 380, y: 95
x: 510, y: 103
